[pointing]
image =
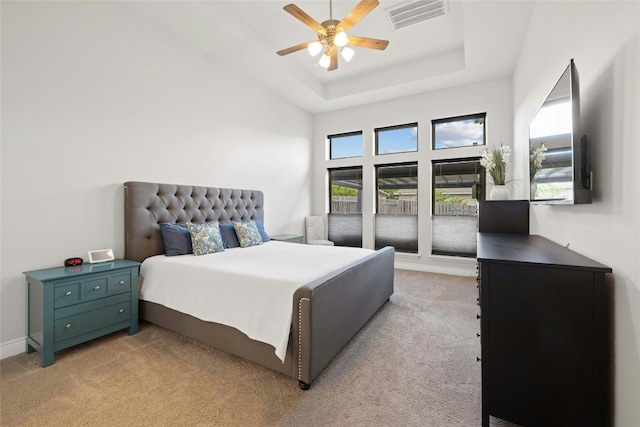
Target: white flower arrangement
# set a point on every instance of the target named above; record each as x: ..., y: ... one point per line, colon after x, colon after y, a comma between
x: 495, y: 162
x: 536, y: 157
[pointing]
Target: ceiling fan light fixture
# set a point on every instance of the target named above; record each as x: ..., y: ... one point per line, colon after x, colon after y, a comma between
x: 314, y: 48
x: 332, y: 34
x: 340, y: 39
x: 325, y: 61
x: 347, y: 53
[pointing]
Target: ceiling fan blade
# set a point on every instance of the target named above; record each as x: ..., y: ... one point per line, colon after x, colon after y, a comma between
x: 367, y: 42
x: 334, y: 59
x: 303, y: 17
x: 357, y: 13
x: 293, y: 49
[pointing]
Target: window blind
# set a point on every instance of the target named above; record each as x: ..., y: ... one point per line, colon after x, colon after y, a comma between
x: 399, y: 231
x: 345, y: 229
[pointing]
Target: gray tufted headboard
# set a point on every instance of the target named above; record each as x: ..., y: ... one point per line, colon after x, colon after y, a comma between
x: 146, y: 205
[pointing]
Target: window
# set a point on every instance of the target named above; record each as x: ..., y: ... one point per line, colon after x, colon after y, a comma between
x: 345, y: 212
x: 396, y: 221
x: 457, y: 186
x: 397, y: 139
x: 463, y: 131
x: 345, y: 145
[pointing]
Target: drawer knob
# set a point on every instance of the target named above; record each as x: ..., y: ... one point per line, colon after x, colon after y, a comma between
x: 121, y: 310
x: 68, y: 293
x: 97, y: 288
x: 68, y: 325
x: 121, y: 282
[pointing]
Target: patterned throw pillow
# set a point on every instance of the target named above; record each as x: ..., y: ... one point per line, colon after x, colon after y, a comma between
x: 248, y: 234
x: 205, y: 238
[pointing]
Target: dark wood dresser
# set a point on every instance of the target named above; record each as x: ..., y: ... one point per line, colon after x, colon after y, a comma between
x: 544, y: 333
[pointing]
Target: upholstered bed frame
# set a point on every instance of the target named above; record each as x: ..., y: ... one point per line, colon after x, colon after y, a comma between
x: 327, y: 313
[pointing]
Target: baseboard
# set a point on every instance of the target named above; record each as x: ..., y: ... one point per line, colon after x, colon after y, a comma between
x: 454, y: 271
x: 13, y: 347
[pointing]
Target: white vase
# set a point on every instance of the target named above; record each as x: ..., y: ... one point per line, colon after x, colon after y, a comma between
x: 499, y: 192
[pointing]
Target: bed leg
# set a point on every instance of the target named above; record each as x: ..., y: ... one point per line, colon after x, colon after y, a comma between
x: 303, y: 385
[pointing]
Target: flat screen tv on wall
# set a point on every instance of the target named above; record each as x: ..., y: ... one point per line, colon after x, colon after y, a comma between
x: 558, y: 161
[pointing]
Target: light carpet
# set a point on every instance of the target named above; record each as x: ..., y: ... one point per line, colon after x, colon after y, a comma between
x: 413, y: 364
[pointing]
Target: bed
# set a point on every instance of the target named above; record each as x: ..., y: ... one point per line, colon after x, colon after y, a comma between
x: 326, y: 312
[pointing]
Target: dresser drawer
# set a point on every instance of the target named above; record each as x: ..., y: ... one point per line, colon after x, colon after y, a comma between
x: 73, y: 326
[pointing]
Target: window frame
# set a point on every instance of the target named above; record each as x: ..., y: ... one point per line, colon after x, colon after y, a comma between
x: 329, y: 170
x: 394, y: 127
x: 382, y: 165
x: 482, y: 183
x: 345, y: 135
x: 353, y: 240
x: 434, y: 122
x: 378, y: 215
x: 480, y: 196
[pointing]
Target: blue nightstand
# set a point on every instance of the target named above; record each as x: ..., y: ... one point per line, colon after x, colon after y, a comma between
x: 71, y: 305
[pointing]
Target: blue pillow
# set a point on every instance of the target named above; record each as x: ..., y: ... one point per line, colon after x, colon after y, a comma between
x: 205, y: 238
x: 263, y: 234
x: 229, y: 235
x: 247, y: 233
x: 176, y: 239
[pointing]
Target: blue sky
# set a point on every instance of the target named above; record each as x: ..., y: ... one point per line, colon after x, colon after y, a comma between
x: 389, y: 141
x: 460, y: 133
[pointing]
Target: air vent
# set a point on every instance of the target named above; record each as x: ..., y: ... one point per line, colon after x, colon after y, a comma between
x: 413, y: 11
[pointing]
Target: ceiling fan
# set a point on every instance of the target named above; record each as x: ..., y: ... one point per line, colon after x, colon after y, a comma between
x: 332, y: 34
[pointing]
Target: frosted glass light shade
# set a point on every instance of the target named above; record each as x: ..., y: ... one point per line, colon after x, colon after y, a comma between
x: 325, y: 61
x: 314, y: 48
x: 347, y: 53
x: 340, y: 39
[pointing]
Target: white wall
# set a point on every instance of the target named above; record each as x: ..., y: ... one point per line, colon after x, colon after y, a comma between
x: 603, y: 38
x: 493, y: 97
x: 93, y: 96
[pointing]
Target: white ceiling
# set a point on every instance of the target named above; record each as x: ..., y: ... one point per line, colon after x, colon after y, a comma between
x: 475, y: 40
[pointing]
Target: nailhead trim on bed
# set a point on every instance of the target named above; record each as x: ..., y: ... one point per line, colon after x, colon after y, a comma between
x: 300, y: 337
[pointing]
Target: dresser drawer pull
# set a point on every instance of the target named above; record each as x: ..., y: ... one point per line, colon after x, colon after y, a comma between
x: 121, y: 282
x: 68, y: 293
x: 121, y: 310
x: 97, y: 288
x: 68, y: 325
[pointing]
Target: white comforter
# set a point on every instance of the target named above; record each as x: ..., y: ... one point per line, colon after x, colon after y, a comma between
x: 250, y: 289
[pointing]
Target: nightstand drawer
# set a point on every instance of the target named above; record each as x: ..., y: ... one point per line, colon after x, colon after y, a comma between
x: 95, y: 288
x: 120, y: 283
x: 73, y: 326
x: 72, y: 310
x: 67, y: 294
